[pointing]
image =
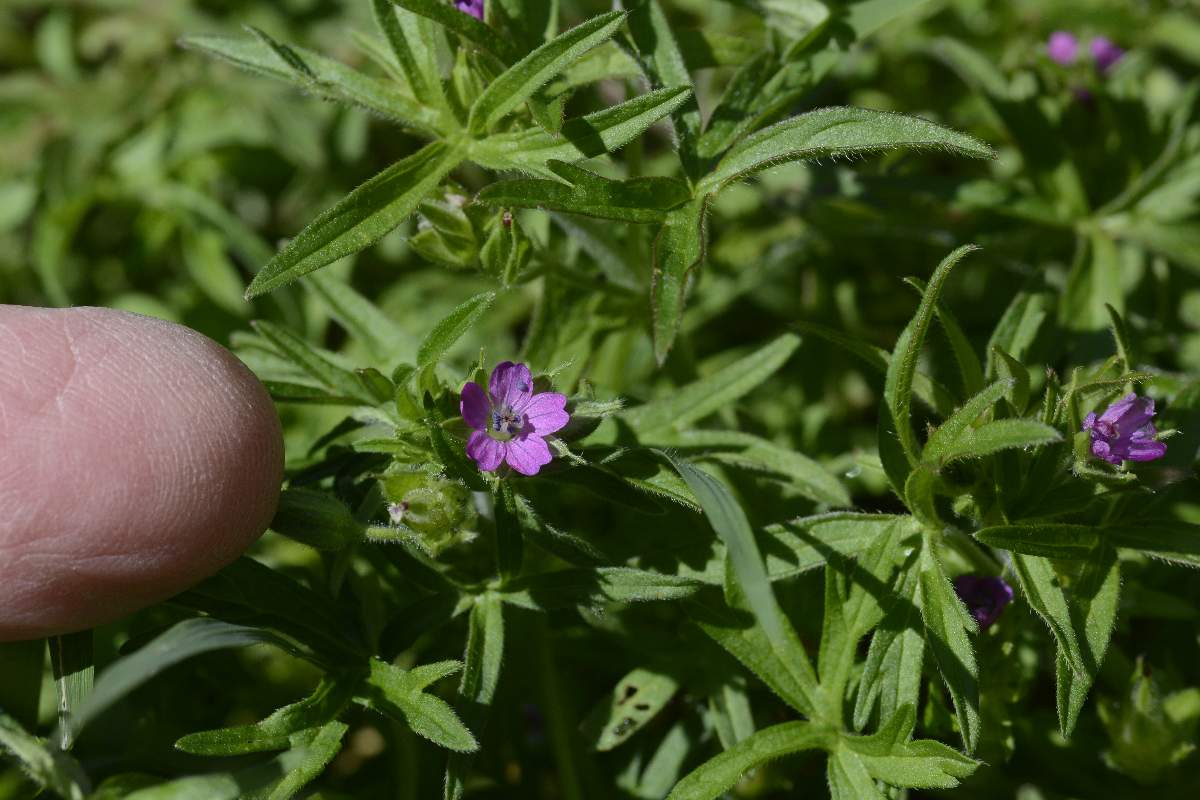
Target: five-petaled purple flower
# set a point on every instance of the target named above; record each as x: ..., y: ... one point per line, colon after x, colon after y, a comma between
x: 510, y: 421
x: 1062, y: 47
x: 472, y: 7
x: 1124, y: 432
x: 1105, y: 53
x: 985, y: 597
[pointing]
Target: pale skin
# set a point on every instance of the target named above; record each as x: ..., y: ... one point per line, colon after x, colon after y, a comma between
x: 136, y: 458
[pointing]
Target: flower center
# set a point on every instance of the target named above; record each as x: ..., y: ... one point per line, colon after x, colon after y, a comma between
x: 506, y: 423
x: 1106, y: 429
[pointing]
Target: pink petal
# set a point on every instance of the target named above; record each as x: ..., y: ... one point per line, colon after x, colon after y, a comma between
x: 487, y: 452
x: 528, y: 454
x: 475, y: 406
x: 1100, y: 449
x: 511, y: 385
x: 1113, y: 413
x: 1146, y: 450
x: 545, y: 413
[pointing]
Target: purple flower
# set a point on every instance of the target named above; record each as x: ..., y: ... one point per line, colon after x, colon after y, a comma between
x: 984, y: 596
x: 1124, y: 431
x: 1062, y: 47
x: 510, y: 421
x: 472, y: 7
x: 1105, y: 53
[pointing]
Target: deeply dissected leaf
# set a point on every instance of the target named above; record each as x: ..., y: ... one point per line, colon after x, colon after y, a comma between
x: 833, y: 133
x: 521, y: 80
x: 452, y: 327
x: 664, y: 66
x: 948, y: 626
x: 319, y: 75
x: 679, y: 249
x: 889, y: 756
x: 748, y: 578
x: 571, y: 587
x: 903, y: 365
x: 633, y: 200
x: 1080, y: 606
x: 400, y: 694
x: 605, y: 131
x: 360, y: 218
x: 276, y: 731
x: 714, y: 777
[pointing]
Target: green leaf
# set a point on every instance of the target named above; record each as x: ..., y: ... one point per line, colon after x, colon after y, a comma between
x: 1009, y: 369
x: 958, y: 426
x: 1170, y: 540
x: 520, y: 81
x: 412, y: 41
x: 749, y: 576
x: 452, y: 327
x: 925, y: 764
x: 274, y: 733
x: 852, y: 606
x: 634, y: 701
x: 708, y: 395
x: 1046, y: 539
x: 969, y: 368
x: 749, y: 452
x: 463, y: 25
x: 340, y: 381
x: 1001, y: 434
x: 633, y: 200
x: 848, y: 776
x: 664, y: 66
x: 317, y: 519
x: 717, y: 775
x: 364, y: 320
x: 73, y: 665
x: 179, y: 643
x: 679, y: 248
x: 360, y: 218
x: 481, y: 673
x: 605, y: 131
x: 45, y: 765
x: 798, y: 545
x: 318, y: 75
x: 898, y: 384
x: 834, y: 133
x: 592, y: 587
x: 948, y: 624
x: 892, y: 672
x: 1078, y: 601
x: 399, y: 694
x: 278, y: 779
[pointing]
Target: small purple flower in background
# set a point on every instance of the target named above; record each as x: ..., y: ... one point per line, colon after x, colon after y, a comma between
x: 472, y: 7
x: 1105, y: 53
x: 1124, y: 432
x: 984, y: 596
x: 1062, y: 47
x: 510, y: 421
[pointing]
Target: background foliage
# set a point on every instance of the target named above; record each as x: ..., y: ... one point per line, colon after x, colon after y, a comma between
x: 781, y: 454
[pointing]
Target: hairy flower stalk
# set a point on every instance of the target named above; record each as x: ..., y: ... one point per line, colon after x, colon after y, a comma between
x: 511, y: 422
x: 1125, y: 432
x: 985, y: 597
